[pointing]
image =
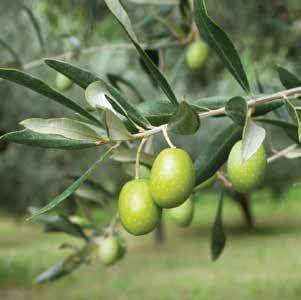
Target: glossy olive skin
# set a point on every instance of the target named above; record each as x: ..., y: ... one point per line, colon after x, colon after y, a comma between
x: 183, y: 214
x: 196, y: 54
x: 63, y: 83
x: 138, y: 212
x: 109, y: 250
x: 248, y: 175
x: 172, y: 177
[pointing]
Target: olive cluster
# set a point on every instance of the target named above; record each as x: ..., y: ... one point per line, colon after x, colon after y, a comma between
x: 172, y: 179
x: 170, y: 187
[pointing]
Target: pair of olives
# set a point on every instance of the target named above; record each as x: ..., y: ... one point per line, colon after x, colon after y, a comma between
x: 171, y: 182
x: 110, y: 249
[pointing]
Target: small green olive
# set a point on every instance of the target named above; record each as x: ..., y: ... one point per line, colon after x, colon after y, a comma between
x: 137, y: 211
x: 183, y: 214
x: 245, y: 176
x: 172, y: 177
x: 63, y: 83
x: 109, y: 250
x: 196, y: 54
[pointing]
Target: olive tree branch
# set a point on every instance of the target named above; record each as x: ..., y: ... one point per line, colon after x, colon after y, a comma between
x: 282, y: 153
x: 222, y: 111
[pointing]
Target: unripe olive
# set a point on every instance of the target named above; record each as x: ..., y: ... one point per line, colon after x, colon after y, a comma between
x: 183, y: 214
x: 245, y: 176
x: 109, y: 250
x: 196, y: 54
x: 137, y: 211
x: 63, y: 83
x: 172, y: 177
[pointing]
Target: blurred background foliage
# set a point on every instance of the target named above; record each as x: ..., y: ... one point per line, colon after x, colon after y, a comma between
x: 266, y: 34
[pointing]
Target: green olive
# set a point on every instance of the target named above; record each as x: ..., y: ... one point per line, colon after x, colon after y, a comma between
x: 196, y: 54
x: 63, y: 83
x: 137, y: 211
x: 245, y: 176
x: 172, y: 177
x: 109, y: 250
x: 183, y: 214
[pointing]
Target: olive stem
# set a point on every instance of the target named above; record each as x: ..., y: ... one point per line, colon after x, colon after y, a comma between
x: 282, y: 153
x: 137, y: 165
x: 222, y: 111
x: 169, y: 142
x: 222, y: 177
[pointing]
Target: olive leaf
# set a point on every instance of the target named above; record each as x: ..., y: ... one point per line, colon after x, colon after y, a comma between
x: 215, y: 152
x: 118, y: 82
x: 287, y: 78
x: 118, y: 11
x: 129, y: 156
x: 221, y: 43
x: 42, y: 88
x: 65, y: 127
x: 185, y: 120
x: 295, y: 117
x: 218, y: 237
x: 253, y: 137
x: 59, y: 223
x: 237, y: 110
x: 72, y: 188
x: 95, y: 95
x: 116, y: 129
x: 35, y: 139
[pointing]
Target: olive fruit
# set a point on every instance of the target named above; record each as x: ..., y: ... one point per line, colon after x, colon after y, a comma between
x: 109, y: 250
x: 138, y: 212
x: 196, y: 54
x: 172, y: 177
x: 183, y: 214
x: 63, y: 83
x: 245, y: 176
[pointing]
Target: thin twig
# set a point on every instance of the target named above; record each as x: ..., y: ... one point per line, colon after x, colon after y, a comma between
x: 222, y: 177
x: 282, y: 153
x: 137, y: 165
x: 166, y: 136
x: 222, y: 111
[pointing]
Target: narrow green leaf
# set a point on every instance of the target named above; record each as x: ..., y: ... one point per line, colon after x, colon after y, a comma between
x: 95, y: 95
x: 129, y: 156
x: 72, y: 188
x: 290, y: 129
x: 215, y: 152
x: 117, y: 81
x: 218, y: 237
x: 65, y: 127
x: 221, y: 43
x: 12, y: 52
x: 116, y: 129
x: 53, y: 141
x: 59, y: 223
x: 288, y: 79
x: 42, y: 88
x: 36, y: 26
x: 237, y: 110
x: 122, y: 17
x: 84, y: 78
x: 253, y: 137
x: 185, y: 120
x: 295, y: 117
